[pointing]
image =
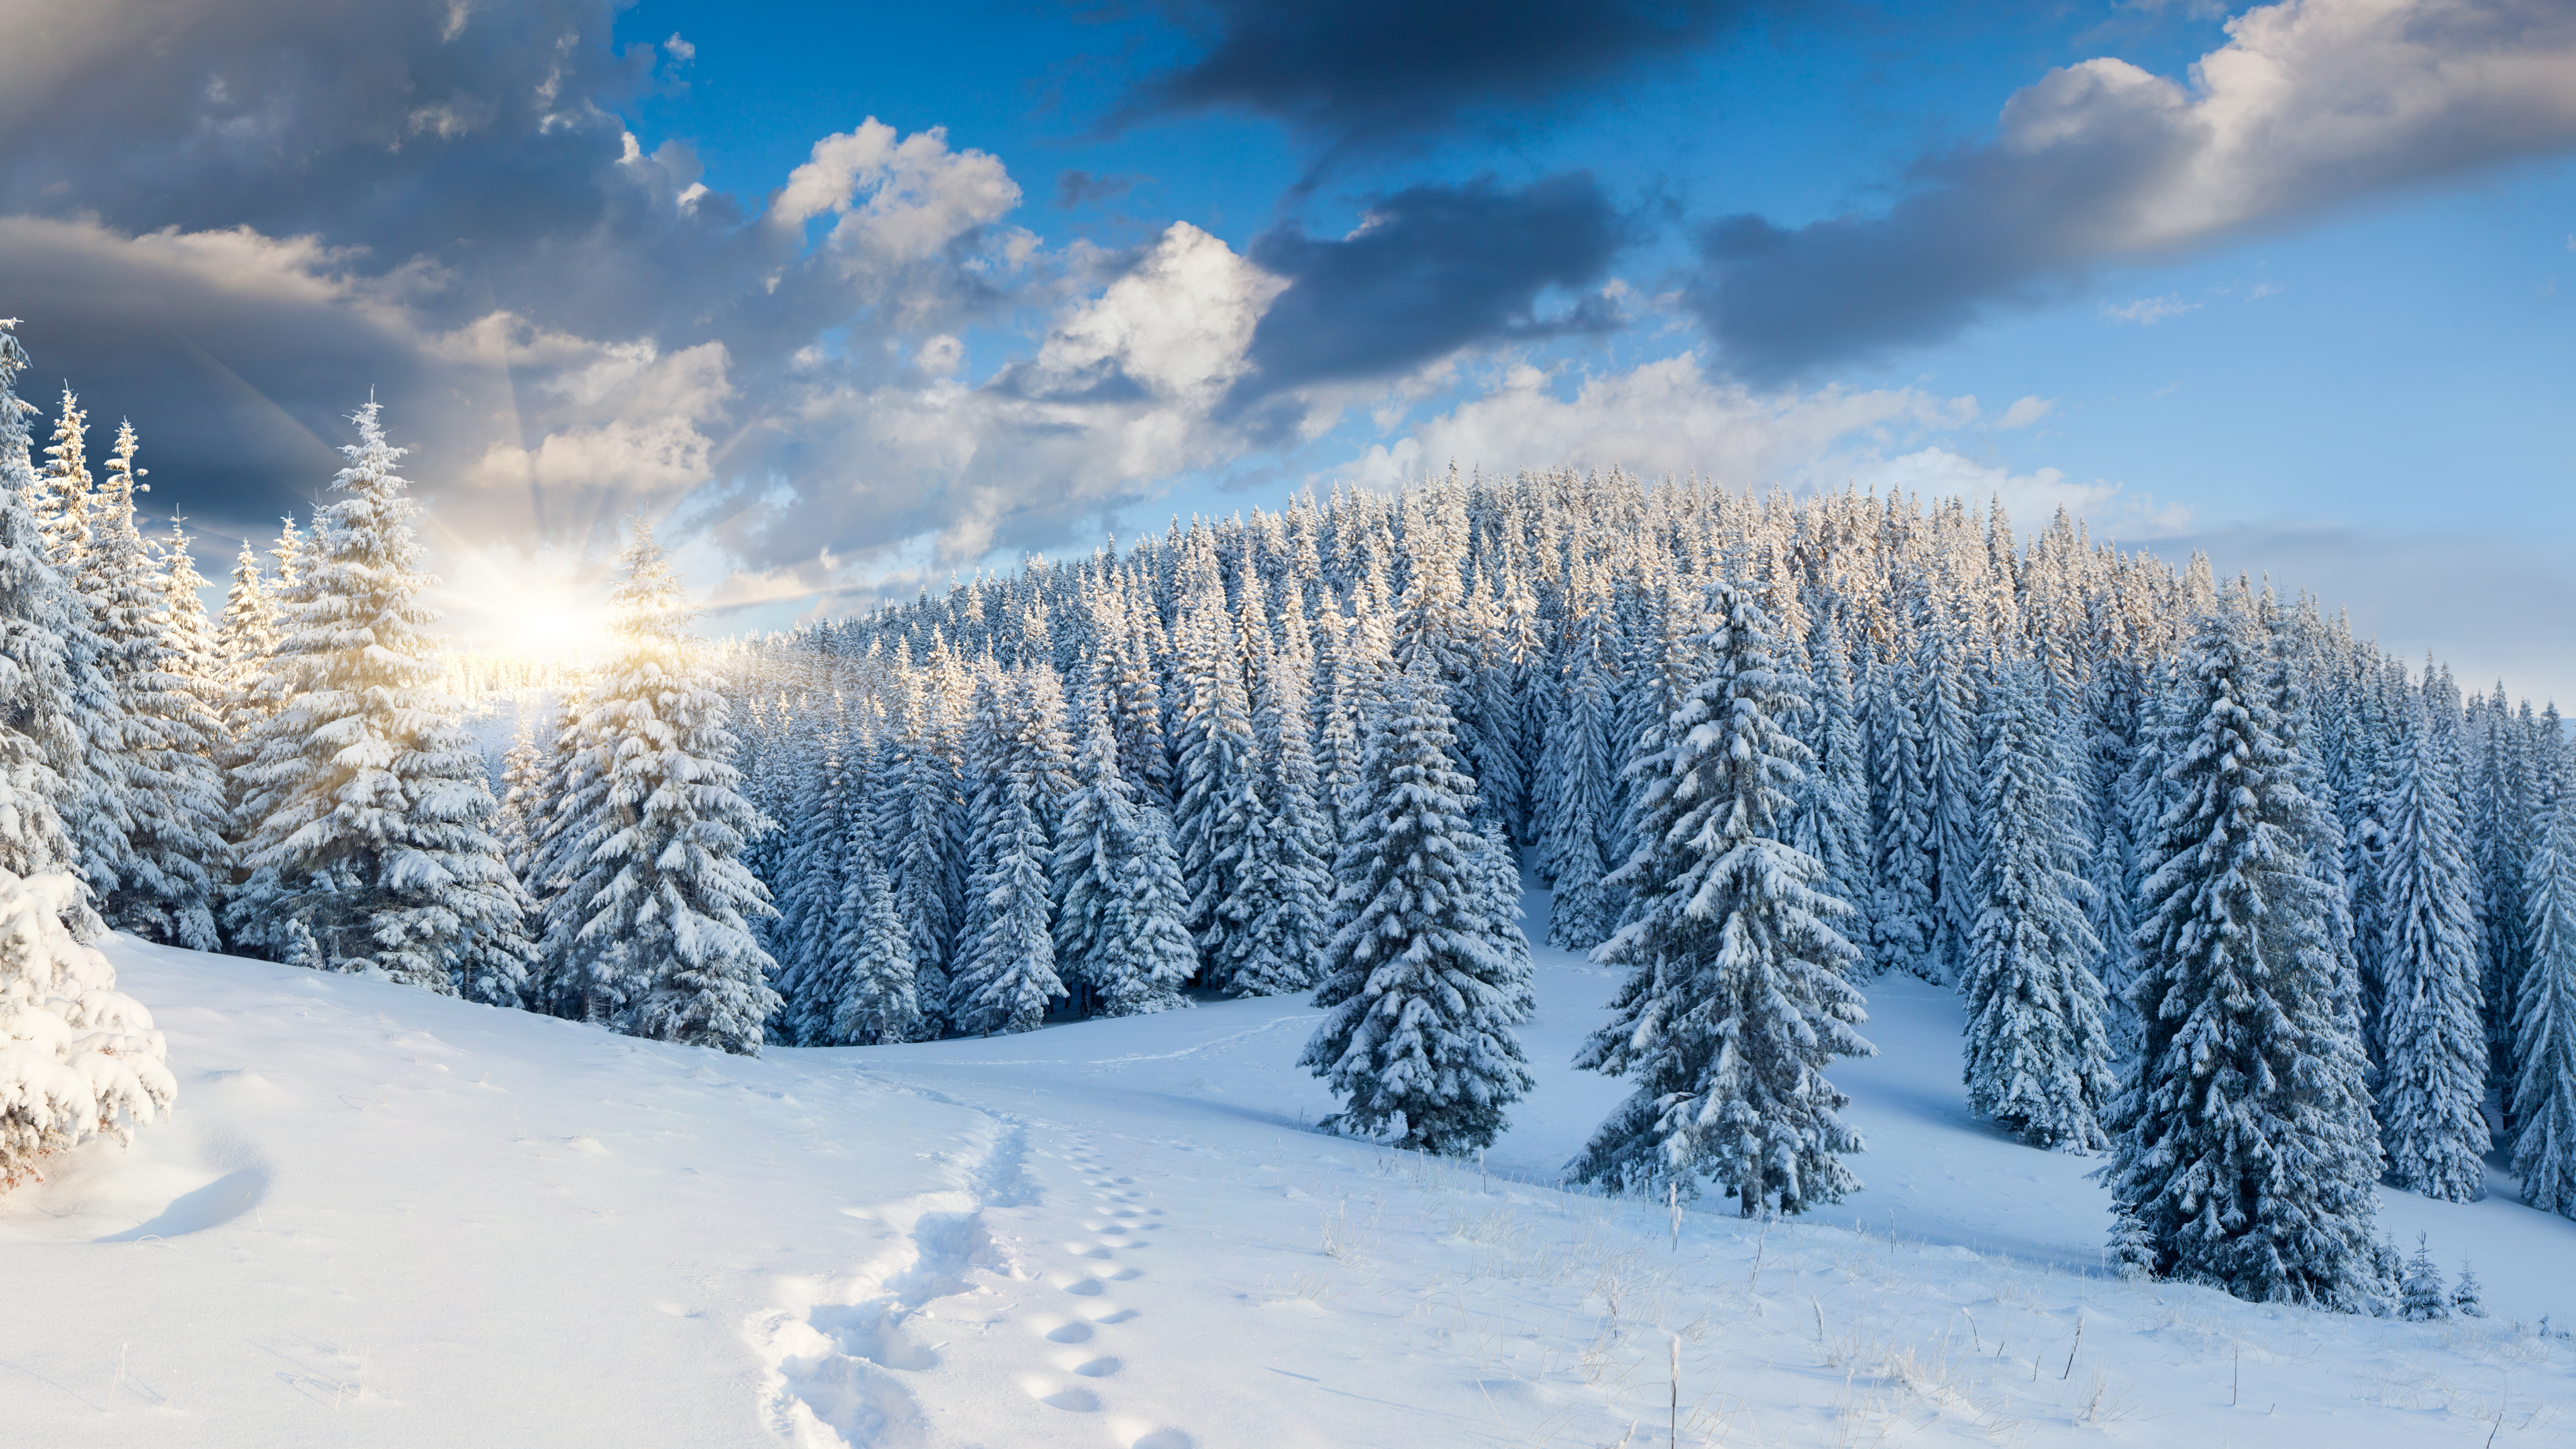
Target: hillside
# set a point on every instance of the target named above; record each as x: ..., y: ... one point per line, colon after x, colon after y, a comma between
x: 385, y: 1217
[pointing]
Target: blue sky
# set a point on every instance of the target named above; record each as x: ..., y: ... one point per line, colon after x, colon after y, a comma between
x: 2280, y: 282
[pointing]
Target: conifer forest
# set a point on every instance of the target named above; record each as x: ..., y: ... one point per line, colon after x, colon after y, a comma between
x: 2256, y: 913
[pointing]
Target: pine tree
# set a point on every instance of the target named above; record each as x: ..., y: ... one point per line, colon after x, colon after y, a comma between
x: 1950, y: 800
x: 1580, y: 769
x: 2432, y: 1095
x: 2426, y: 1299
x: 2243, y: 1152
x: 2468, y: 1300
x: 164, y: 736
x: 1119, y: 904
x: 1737, y: 994
x: 2038, y: 1058
x: 2543, y: 1092
x: 97, y: 793
x: 1006, y: 977
x: 1286, y: 883
x: 1419, y: 998
x: 867, y: 987
x: 365, y: 811
x: 1901, y: 928
x: 654, y: 826
x: 38, y: 726
x: 880, y: 1002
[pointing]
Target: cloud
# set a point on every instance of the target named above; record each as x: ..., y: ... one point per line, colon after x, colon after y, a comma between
x: 1431, y: 270
x: 2311, y: 106
x: 1359, y: 73
x: 2030, y: 498
x: 2026, y: 411
x: 2148, y: 311
x: 1081, y: 188
x: 1664, y: 417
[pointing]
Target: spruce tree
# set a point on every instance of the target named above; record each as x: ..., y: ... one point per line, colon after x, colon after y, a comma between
x: 880, y: 1000
x: 2543, y: 1091
x: 864, y: 988
x: 1119, y: 935
x: 1287, y: 879
x: 2243, y: 1154
x: 2432, y: 1085
x: 38, y: 727
x: 1420, y: 995
x: 96, y: 793
x: 2038, y: 1059
x: 1738, y: 992
x: 2424, y: 1297
x: 654, y: 890
x: 1902, y: 924
x: 365, y: 812
x: 164, y: 736
x: 1580, y: 772
x: 1006, y: 977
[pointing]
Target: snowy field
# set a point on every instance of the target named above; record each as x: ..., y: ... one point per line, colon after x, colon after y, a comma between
x: 385, y: 1218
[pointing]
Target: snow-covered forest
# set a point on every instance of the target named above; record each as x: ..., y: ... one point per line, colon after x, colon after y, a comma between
x: 2232, y: 897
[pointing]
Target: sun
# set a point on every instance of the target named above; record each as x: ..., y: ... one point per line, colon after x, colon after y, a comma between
x: 515, y: 603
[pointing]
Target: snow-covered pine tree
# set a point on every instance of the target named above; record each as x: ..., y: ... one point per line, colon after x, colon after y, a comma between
x: 96, y: 795
x: 880, y: 997
x: 653, y: 827
x: 38, y: 726
x: 1950, y: 796
x: 1580, y: 780
x: 813, y: 877
x: 1006, y: 977
x: 2543, y: 1091
x: 2038, y: 1061
x: 2425, y: 1298
x: 1902, y: 923
x: 1217, y: 783
x: 929, y: 862
x: 164, y: 736
x: 195, y: 655
x: 365, y: 812
x: 2468, y: 1299
x: 1287, y: 883
x: 1832, y: 817
x: 809, y: 974
x: 1737, y: 994
x: 2243, y: 1151
x: 1119, y: 934
x: 2432, y: 1082
x: 83, y: 1059
x: 1419, y: 1000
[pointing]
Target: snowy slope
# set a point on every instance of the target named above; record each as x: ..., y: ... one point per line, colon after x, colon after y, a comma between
x: 385, y: 1218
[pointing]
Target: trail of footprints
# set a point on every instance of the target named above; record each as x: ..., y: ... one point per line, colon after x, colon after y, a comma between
x: 1119, y: 1225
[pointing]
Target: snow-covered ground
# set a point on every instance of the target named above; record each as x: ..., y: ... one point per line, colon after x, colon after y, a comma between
x: 384, y: 1218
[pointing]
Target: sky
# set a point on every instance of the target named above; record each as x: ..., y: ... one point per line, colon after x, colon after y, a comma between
x: 851, y: 299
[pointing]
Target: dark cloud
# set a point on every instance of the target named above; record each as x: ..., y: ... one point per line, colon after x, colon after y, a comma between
x: 2306, y: 110
x: 1081, y: 188
x: 1433, y: 269
x: 1358, y: 72
x: 231, y: 218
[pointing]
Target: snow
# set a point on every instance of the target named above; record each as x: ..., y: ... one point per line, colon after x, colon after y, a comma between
x: 381, y: 1216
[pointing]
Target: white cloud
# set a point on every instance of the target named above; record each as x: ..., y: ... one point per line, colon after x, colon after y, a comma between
x: 2148, y: 311
x: 2030, y: 498
x: 1662, y: 417
x: 2311, y: 106
x: 2026, y: 411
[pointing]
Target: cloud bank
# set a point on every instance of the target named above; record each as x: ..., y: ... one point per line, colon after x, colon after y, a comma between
x: 2311, y: 106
